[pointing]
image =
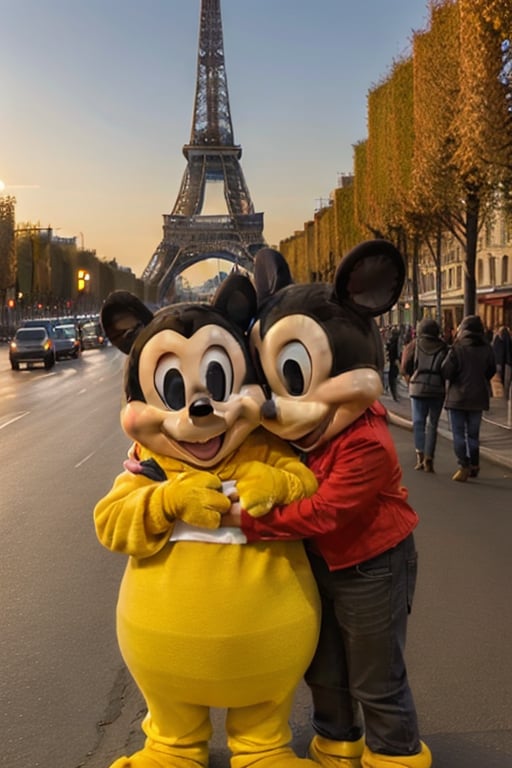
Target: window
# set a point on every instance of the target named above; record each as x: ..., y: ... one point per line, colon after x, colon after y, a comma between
x: 480, y: 271
x: 504, y: 270
x: 492, y: 270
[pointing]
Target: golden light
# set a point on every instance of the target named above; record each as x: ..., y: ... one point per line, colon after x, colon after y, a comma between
x: 2, y: 185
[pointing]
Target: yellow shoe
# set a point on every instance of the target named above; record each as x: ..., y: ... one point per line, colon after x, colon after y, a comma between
x: 151, y: 758
x: 275, y: 758
x: 336, y: 754
x: 462, y: 474
x: 373, y: 760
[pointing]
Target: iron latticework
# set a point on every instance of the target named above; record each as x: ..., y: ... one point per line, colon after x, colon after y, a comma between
x: 212, y: 156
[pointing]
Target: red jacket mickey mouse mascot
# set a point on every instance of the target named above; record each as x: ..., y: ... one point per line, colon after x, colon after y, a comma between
x: 204, y: 619
x: 319, y: 350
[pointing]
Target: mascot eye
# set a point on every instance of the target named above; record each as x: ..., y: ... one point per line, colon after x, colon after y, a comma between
x: 217, y: 373
x: 169, y: 382
x: 294, y: 366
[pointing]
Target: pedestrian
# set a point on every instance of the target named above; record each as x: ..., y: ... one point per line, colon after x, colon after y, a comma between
x: 502, y: 348
x: 468, y: 368
x: 393, y: 360
x: 421, y: 368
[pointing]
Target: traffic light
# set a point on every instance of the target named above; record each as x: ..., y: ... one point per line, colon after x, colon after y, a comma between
x: 83, y: 279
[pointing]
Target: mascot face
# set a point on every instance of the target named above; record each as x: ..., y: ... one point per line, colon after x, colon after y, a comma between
x: 318, y: 346
x: 190, y: 385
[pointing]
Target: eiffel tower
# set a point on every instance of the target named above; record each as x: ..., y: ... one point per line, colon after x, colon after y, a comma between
x: 212, y: 156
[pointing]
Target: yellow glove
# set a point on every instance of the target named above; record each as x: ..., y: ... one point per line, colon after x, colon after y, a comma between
x: 262, y: 487
x: 196, y: 498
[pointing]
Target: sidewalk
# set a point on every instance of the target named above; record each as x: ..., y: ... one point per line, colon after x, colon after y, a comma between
x: 495, y: 432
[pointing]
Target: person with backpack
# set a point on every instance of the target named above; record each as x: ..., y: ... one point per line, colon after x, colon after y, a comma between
x: 421, y: 368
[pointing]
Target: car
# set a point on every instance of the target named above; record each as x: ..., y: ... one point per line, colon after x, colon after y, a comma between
x: 66, y: 341
x: 41, y: 323
x: 30, y: 346
x: 93, y: 335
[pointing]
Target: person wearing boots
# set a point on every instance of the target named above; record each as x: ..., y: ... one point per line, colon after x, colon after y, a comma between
x: 468, y: 367
x: 421, y: 368
x: 393, y: 358
x: 502, y: 348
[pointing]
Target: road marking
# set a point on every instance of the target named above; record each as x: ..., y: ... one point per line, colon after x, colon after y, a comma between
x: 84, y: 460
x: 15, y: 418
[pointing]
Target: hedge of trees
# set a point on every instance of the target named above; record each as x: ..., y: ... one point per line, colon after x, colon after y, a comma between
x: 438, y: 156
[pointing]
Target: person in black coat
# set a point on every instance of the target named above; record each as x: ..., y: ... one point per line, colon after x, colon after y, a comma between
x: 393, y: 353
x: 502, y: 347
x: 468, y: 368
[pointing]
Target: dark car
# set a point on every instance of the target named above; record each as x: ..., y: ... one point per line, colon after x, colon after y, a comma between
x: 30, y: 346
x: 93, y: 335
x: 66, y: 341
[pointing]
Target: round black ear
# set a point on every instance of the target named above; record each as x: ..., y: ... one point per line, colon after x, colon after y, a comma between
x: 271, y: 272
x: 236, y: 299
x: 371, y: 276
x: 123, y: 316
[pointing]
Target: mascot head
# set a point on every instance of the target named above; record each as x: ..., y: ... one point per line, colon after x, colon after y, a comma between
x: 191, y: 390
x: 318, y: 346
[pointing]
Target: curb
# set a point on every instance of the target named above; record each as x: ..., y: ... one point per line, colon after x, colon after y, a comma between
x: 496, y: 458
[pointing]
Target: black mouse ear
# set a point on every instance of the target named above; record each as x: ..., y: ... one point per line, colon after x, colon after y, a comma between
x: 235, y: 298
x: 123, y: 316
x: 371, y: 277
x: 271, y: 272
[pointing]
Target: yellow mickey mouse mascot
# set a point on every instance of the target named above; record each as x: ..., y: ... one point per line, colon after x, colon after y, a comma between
x: 203, y: 618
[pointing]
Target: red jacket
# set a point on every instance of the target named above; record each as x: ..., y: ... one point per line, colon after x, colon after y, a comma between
x: 360, y: 508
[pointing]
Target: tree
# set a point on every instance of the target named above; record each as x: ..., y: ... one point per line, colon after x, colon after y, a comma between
x: 461, y: 125
x: 7, y: 246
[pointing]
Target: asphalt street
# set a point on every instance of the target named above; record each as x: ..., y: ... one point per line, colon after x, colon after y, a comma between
x: 66, y: 699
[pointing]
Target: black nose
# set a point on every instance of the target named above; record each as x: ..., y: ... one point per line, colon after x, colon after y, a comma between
x: 269, y: 410
x: 201, y: 407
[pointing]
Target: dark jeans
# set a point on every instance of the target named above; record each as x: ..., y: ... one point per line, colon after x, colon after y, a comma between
x: 425, y: 418
x: 465, y: 426
x: 358, y: 677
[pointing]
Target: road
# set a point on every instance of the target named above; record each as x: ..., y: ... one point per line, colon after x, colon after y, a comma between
x: 66, y: 700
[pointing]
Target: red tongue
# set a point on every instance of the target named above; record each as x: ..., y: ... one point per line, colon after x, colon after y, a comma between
x: 203, y: 451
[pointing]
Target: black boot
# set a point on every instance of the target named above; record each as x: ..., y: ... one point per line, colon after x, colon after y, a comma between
x: 428, y: 464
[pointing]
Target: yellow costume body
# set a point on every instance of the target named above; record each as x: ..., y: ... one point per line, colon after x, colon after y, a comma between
x: 205, y: 624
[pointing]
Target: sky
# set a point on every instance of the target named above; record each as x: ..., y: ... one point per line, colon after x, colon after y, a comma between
x: 96, y: 100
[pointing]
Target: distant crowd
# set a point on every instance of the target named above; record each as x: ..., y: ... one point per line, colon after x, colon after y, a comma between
x: 396, y: 337
x: 458, y: 371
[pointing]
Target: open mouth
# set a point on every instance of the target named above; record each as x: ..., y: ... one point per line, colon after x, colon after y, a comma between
x: 203, y: 451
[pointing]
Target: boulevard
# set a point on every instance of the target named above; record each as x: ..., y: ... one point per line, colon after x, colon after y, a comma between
x: 66, y: 699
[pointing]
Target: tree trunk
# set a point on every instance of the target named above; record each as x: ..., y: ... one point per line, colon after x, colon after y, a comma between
x: 472, y: 214
x: 439, y: 278
x: 415, y: 292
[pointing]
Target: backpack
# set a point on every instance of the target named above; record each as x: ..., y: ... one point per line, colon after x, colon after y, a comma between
x: 427, y: 379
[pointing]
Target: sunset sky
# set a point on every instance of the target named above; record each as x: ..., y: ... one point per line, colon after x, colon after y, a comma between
x: 97, y: 99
